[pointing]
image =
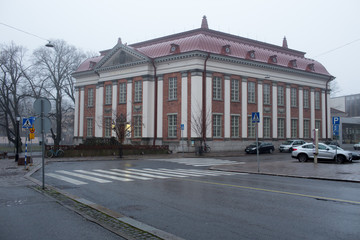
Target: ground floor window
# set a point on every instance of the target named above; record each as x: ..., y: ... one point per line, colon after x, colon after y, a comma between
x: 234, y: 126
x: 267, y: 127
x: 306, y: 128
x: 251, y: 128
x: 137, y: 126
x: 172, y: 125
x: 216, y: 125
x: 89, y: 127
x: 281, y: 128
x: 107, y: 127
x: 294, y: 126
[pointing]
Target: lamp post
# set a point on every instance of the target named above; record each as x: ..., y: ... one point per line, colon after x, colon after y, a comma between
x: 17, y: 139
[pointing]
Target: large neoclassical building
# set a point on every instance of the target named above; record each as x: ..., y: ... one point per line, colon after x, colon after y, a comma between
x: 203, y: 84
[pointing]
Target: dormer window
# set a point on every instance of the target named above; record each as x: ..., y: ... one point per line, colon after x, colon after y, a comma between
x: 251, y: 54
x: 273, y: 59
x: 174, y: 48
x: 92, y: 65
x: 310, y: 67
x: 226, y: 49
x: 292, y: 63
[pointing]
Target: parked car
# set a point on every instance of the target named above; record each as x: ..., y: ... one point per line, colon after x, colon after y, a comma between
x: 306, y: 151
x: 357, y: 146
x: 264, y: 147
x: 290, y: 144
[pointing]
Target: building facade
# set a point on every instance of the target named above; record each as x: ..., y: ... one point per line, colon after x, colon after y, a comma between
x: 202, y: 84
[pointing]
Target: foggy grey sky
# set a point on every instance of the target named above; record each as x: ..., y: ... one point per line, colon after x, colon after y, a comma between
x: 311, y: 26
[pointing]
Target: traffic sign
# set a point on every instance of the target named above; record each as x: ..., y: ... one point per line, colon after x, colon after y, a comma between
x: 27, y: 123
x: 46, y: 124
x: 255, y: 117
x: 336, y: 130
x: 182, y: 126
x: 42, y: 105
x: 32, y: 130
x: 336, y: 120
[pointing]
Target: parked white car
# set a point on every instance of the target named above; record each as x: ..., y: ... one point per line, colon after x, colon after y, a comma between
x: 357, y: 146
x: 290, y: 144
x: 306, y: 151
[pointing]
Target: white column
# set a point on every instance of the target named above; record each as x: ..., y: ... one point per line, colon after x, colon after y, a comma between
x: 160, y: 120
x: 76, y: 112
x: 129, y: 100
x: 323, y: 114
x: 301, y: 112
x: 196, y: 101
x: 274, y: 111
x: 244, y: 113
x: 260, y: 107
x: 227, y: 119
x: 209, y: 105
x: 312, y: 109
x: 288, y: 112
x: 184, y: 103
x: 148, y: 108
x: 114, y: 104
x: 99, y: 110
x: 82, y: 107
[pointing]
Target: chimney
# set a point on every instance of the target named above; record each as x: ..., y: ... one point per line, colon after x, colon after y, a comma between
x: 285, y: 43
x: 204, y: 23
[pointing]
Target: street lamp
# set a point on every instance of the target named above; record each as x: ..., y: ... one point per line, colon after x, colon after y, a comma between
x: 17, y: 139
x: 49, y: 44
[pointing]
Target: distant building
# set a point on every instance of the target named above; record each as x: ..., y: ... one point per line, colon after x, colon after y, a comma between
x: 202, y: 84
x: 348, y: 109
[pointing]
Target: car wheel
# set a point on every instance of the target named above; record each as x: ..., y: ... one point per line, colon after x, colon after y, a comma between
x: 271, y: 150
x: 340, y: 159
x: 302, y: 157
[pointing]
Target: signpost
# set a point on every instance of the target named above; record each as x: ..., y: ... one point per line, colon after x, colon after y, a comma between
x: 255, y: 117
x: 42, y: 106
x: 336, y: 128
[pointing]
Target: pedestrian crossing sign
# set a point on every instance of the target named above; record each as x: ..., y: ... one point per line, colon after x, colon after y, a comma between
x: 255, y: 117
x: 27, y: 123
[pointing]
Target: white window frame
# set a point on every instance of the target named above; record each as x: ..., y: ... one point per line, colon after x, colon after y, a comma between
x: 137, y: 126
x: 293, y: 97
x: 267, y: 127
x: 281, y: 128
x: 251, y: 92
x: 235, y: 83
x: 90, y: 97
x: 294, y: 128
x: 235, y: 123
x: 306, y: 128
x: 108, y: 94
x: 266, y: 94
x: 172, y: 125
x: 107, y: 127
x: 138, y: 91
x: 251, y: 128
x: 217, y: 88
x: 217, y: 126
x: 318, y: 126
x: 172, y: 88
x: 89, y: 127
x: 317, y: 100
x: 280, y: 96
x: 306, y: 99
x: 122, y: 92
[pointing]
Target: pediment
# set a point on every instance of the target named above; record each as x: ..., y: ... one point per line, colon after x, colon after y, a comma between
x: 121, y: 55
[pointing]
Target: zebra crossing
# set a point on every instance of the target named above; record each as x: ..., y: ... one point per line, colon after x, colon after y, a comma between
x: 200, y: 162
x: 82, y: 177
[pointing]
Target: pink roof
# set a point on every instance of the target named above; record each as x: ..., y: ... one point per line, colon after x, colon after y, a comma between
x: 210, y: 41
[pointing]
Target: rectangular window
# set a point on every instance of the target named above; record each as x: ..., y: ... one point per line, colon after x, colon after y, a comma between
x: 318, y: 126
x: 294, y: 125
x: 251, y: 92
x: 267, y: 94
x: 122, y: 93
x: 216, y: 125
x: 108, y: 94
x: 172, y: 125
x: 267, y: 127
x: 251, y: 128
x: 217, y: 88
x: 90, y: 97
x: 306, y: 128
x: 107, y: 126
x: 89, y: 130
x: 234, y: 126
x: 317, y: 100
x: 138, y: 91
x: 281, y: 99
x: 173, y: 88
x: 234, y: 90
x: 293, y: 97
x: 281, y: 128
x: 306, y: 98
x: 137, y: 126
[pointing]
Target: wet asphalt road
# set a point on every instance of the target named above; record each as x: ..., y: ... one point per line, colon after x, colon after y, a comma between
x: 239, y: 206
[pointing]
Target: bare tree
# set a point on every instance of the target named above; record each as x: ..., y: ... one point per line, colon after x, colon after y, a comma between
x: 334, y: 88
x: 54, y: 67
x: 13, y: 84
x: 199, y: 124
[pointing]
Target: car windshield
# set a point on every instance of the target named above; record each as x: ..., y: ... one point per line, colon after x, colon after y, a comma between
x: 287, y: 143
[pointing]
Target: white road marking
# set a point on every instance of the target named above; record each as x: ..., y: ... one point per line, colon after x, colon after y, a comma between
x: 105, y: 176
x: 122, y: 174
x: 99, y: 180
x: 139, y: 173
x: 66, y: 179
